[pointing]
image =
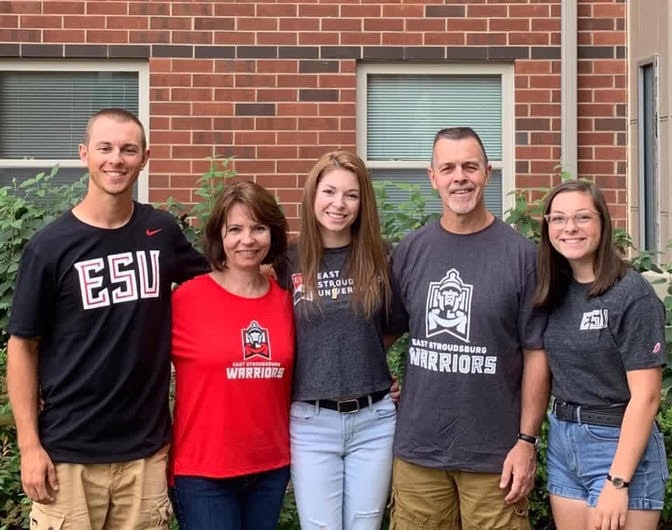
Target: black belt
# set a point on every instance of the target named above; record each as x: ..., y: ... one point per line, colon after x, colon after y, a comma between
x: 607, y: 416
x: 348, y: 406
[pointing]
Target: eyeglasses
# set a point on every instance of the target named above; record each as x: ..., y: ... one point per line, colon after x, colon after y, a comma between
x: 582, y: 218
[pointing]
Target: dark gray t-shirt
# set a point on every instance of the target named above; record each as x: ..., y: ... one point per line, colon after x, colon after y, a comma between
x: 592, y: 342
x: 339, y: 354
x: 467, y: 302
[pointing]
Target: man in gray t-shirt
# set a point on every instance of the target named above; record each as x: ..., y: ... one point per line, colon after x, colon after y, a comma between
x: 476, y: 377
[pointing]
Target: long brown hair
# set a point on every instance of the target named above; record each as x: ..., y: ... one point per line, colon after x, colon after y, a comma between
x: 367, y: 262
x: 554, y: 273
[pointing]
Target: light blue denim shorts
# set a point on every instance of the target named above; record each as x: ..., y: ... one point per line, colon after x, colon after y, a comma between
x: 580, y: 455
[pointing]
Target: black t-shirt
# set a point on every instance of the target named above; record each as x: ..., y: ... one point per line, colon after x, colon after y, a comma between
x: 99, y: 302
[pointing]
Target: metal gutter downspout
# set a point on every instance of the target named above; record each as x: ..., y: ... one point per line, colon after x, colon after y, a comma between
x: 568, y: 88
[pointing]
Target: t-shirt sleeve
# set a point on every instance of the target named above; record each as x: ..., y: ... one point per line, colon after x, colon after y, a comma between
x: 397, y: 318
x: 532, y: 321
x: 641, y: 334
x: 34, y: 294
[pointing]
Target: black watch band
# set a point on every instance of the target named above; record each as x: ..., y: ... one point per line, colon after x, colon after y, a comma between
x: 534, y: 440
x: 617, y: 482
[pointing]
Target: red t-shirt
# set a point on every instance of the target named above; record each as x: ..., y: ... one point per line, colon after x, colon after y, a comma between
x: 233, y: 360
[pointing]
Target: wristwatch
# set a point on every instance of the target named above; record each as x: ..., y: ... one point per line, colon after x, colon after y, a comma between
x: 617, y: 482
x: 534, y: 440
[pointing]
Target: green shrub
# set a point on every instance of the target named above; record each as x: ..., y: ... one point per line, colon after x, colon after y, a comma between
x: 25, y: 208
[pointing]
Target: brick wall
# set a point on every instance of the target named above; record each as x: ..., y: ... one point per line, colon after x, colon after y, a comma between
x: 273, y: 83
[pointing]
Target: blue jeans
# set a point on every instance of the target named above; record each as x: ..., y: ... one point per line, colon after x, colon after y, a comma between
x: 580, y: 455
x: 341, y: 464
x: 248, y: 502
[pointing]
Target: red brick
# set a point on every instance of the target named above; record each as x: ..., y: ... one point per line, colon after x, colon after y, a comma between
x: 538, y: 81
x: 41, y: 22
x: 191, y: 94
x: 486, y: 39
x: 299, y: 24
x: 342, y: 24
x: 64, y: 35
x: 85, y: 22
x: 610, y: 66
x: 445, y: 39
x: 533, y: 96
x: 595, y: 110
x: 364, y: 39
x: 319, y: 39
x: 212, y: 108
x: 150, y: 37
x: 549, y: 25
x: 170, y: 23
x: 608, y: 38
x: 170, y: 79
x: 286, y: 66
x: 403, y: 11
x: 254, y: 137
x: 533, y: 67
x: 9, y: 21
x: 610, y: 96
x: 234, y: 37
x: 384, y: 24
x: 192, y: 9
x: 273, y: 95
x: 280, y: 11
x: 277, y: 38
x: 547, y: 109
x: 59, y: 8
x: 278, y: 152
x: 361, y: 11
x: 487, y: 11
x: 20, y: 35
x: 191, y: 151
x: 240, y: 95
x: 509, y: 24
x: 426, y: 24
x: 529, y: 11
x: 256, y: 24
x: 107, y: 36
x: 103, y: 8
x: 467, y: 24
x: 609, y: 10
x: 24, y: 6
x: 254, y: 167
x: 529, y: 39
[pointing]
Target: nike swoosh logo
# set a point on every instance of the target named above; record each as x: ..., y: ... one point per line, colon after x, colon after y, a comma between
x: 150, y: 233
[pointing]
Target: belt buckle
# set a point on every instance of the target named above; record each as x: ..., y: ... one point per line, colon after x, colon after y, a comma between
x: 345, y: 403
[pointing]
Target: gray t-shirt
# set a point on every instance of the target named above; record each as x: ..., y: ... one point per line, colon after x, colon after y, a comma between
x: 592, y: 342
x: 467, y: 302
x: 339, y: 354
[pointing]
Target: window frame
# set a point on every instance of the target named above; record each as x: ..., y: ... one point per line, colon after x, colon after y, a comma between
x: 40, y: 65
x: 506, y: 73
x: 648, y: 182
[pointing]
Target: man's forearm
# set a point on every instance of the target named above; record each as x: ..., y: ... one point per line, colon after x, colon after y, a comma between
x: 535, y: 391
x: 22, y: 388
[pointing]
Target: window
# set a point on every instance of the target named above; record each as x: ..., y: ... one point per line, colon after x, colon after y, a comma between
x: 401, y: 107
x: 648, y: 156
x: 44, y: 108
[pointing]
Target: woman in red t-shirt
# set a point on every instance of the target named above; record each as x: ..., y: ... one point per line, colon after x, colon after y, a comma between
x: 233, y: 351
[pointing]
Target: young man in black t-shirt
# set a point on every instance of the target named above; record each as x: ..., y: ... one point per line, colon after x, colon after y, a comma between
x: 90, y: 340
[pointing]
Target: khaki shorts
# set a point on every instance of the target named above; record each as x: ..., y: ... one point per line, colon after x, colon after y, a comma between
x: 126, y: 496
x: 434, y: 499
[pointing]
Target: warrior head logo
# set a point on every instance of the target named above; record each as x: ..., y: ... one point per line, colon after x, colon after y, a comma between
x: 448, y: 306
x: 255, y: 342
